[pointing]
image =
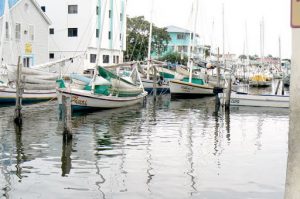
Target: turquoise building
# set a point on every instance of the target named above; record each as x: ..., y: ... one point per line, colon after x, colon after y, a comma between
x: 180, y: 41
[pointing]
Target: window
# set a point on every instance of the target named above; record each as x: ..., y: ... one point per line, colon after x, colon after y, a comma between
x: 97, y: 33
x: 72, y: 32
x: 109, y: 35
x: 109, y: 13
x: 31, y: 32
x: 93, y: 58
x: 43, y: 8
x: 51, y: 31
x: 180, y: 36
x: 120, y: 37
x: 51, y: 55
x: 6, y: 30
x: 72, y: 9
x: 121, y: 16
x: 116, y: 59
x: 106, y: 59
x: 97, y: 10
x: 18, y: 31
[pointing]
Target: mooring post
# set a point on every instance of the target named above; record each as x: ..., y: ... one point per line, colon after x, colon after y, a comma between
x: 282, y: 87
x: 218, y: 80
x: 228, y: 94
x: 67, y: 116
x: 218, y: 70
x: 277, y: 87
x: 292, y: 186
x: 154, y: 83
x: 19, y: 92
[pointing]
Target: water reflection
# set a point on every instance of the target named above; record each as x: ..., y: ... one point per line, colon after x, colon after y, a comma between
x: 167, y: 149
x: 20, y: 156
x: 66, y: 161
x: 190, y: 156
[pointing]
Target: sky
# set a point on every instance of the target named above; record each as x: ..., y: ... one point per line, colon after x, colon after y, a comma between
x: 238, y: 14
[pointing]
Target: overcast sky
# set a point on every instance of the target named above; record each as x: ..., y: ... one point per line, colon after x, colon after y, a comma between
x: 276, y: 15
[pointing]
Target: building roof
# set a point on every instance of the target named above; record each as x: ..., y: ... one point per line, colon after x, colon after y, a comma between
x: 13, y: 3
x: 177, y: 29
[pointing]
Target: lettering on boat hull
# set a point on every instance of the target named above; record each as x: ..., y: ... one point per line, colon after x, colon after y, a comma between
x: 78, y: 101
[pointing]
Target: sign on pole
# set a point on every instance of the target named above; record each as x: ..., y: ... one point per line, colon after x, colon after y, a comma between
x: 295, y: 14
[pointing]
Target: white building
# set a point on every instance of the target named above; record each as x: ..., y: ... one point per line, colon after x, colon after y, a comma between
x: 26, y: 33
x: 77, y: 26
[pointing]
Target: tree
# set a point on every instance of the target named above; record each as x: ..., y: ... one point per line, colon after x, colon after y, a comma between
x: 138, y: 30
x: 207, y: 50
x: 242, y: 57
x: 175, y: 57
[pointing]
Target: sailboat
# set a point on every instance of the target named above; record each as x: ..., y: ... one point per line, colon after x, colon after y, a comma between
x: 246, y: 99
x: 149, y: 81
x: 191, y: 86
x: 260, y: 79
x: 105, y: 90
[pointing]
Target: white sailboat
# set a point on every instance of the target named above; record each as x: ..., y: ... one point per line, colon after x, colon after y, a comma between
x: 245, y: 99
x: 106, y: 90
x: 192, y: 86
x: 161, y: 86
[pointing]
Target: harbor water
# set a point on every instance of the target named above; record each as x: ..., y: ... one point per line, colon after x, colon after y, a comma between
x: 163, y: 149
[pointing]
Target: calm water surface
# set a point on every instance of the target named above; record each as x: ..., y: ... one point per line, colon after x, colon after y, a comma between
x: 168, y: 149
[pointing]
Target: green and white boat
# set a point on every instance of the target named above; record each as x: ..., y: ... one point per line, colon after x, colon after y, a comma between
x: 105, y: 91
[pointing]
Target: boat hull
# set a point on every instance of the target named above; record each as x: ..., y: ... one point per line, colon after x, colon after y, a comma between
x: 189, y: 90
x: 260, y: 83
x: 256, y: 100
x: 8, y: 95
x: 162, y: 88
x: 85, y: 100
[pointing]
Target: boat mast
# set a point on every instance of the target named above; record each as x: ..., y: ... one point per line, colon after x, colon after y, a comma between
x: 150, y: 41
x: 223, y: 22
x: 279, y: 61
x: 262, y: 35
x: 212, y: 38
x: 193, y: 36
x: 246, y: 50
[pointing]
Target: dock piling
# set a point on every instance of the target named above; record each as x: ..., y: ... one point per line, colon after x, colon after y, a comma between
x: 154, y: 83
x: 67, y: 116
x: 19, y: 92
x: 228, y: 94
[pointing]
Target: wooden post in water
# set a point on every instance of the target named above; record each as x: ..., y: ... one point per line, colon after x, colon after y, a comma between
x: 218, y: 81
x: 218, y: 69
x: 67, y: 116
x: 292, y: 186
x: 19, y: 92
x: 228, y: 94
x: 154, y: 83
x: 277, y: 87
x: 282, y: 87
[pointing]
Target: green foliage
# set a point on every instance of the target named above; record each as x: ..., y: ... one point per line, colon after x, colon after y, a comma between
x: 175, y: 57
x: 207, y: 51
x: 138, y: 30
x: 243, y: 57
